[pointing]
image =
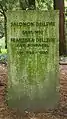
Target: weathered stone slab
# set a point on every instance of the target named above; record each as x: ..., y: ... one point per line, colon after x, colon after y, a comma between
x: 33, y: 59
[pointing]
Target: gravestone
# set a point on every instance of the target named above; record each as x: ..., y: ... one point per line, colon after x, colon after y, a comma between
x: 33, y: 59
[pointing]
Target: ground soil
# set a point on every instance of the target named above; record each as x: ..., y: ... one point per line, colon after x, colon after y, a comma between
x: 58, y: 113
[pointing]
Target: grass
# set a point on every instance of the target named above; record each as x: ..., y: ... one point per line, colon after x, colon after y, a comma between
x: 3, y: 56
x: 3, y: 51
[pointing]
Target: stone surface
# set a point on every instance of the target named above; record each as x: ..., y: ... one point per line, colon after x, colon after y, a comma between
x: 33, y: 57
